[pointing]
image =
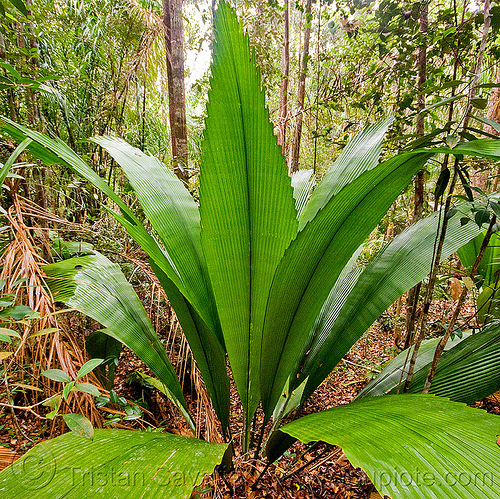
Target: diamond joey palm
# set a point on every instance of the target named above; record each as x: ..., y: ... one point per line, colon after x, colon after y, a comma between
x: 262, y: 273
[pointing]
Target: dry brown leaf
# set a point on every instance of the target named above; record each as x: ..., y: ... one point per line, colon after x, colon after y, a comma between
x: 376, y: 495
x: 7, y: 457
x: 456, y: 288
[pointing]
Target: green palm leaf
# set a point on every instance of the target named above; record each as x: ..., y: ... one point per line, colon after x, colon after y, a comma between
x: 116, y: 463
x: 413, y: 446
x: 329, y: 314
x: 55, y: 151
x: 303, y: 182
x: 209, y: 354
x: 179, y: 231
x: 361, y: 153
x: 175, y: 217
x: 485, y: 148
x: 468, y: 370
x: 487, y: 277
x: 5, y: 168
x: 395, y: 269
x: 95, y: 286
x: 490, y: 263
x: 246, y: 201
x: 394, y: 372
x: 314, y: 260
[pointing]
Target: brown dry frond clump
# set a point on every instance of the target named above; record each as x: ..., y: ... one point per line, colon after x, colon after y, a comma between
x: 45, y: 342
x: 181, y: 357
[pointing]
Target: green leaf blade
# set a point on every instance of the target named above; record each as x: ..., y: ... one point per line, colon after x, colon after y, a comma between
x: 79, y: 425
x: 116, y: 463
x: 88, y: 367
x: 468, y: 371
x: 20, y: 6
x: 55, y: 151
x: 246, y: 201
x: 9, y: 332
x: 321, y: 251
x: 4, y: 171
x: 175, y: 216
x: 56, y: 375
x: 303, y: 183
x: 88, y: 388
x: 360, y: 154
x: 400, y: 265
x: 95, y: 286
x: 414, y: 434
x: 210, y: 355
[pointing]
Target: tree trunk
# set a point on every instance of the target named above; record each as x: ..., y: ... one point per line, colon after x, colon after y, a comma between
x: 10, y: 93
x: 285, y: 71
x: 295, y: 151
x: 31, y: 109
x: 318, y: 89
x: 419, y: 183
x: 493, y: 113
x: 437, y: 258
x: 420, y: 124
x: 174, y: 44
x: 32, y: 61
x: 31, y: 101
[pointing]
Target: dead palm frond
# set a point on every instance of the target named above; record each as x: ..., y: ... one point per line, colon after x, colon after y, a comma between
x: 45, y: 342
x: 180, y: 355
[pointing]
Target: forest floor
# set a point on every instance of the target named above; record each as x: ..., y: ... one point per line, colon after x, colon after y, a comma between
x: 303, y: 472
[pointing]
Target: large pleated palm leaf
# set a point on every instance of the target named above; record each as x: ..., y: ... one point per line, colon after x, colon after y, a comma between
x: 262, y: 271
x: 468, y: 371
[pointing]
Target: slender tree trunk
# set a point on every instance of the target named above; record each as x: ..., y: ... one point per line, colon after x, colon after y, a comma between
x: 285, y: 71
x: 40, y: 192
x: 419, y: 183
x: 493, y: 113
x: 437, y: 257
x: 420, y: 124
x: 479, y: 63
x: 318, y: 75
x: 295, y: 151
x: 442, y: 226
x: 451, y: 326
x: 31, y: 101
x: 479, y: 178
x: 32, y: 61
x: 174, y: 44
